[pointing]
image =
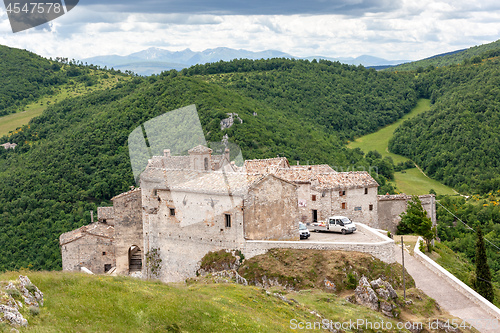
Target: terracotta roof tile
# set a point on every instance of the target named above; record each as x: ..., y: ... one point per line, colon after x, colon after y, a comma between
x: 200, y: 149
x: 96, y: 229
x: 345, y: 180
x: 268, y: 165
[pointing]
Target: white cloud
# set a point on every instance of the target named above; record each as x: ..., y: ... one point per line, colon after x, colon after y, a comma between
x: 413, y: 30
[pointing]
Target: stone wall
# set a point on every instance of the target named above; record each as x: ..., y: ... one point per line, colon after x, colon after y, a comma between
x: 197, y: 227
x: 270, y: 210
x: 358, y: 202
x: 181, y: 249
x: 106, y: 215
x: 89, y: 251
x: 391, y: 206
x: 383, y: 250
x: 128, y: 227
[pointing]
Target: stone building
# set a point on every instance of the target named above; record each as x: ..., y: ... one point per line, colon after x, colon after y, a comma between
x: 91, y: 246
x: 391, y: 206
x: 189, y: 205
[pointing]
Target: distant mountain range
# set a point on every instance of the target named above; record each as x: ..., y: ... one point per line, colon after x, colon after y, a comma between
x: 155, y: 60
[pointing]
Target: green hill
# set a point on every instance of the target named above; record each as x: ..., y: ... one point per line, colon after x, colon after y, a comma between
x: 473, y: 54
x: 458, y: 140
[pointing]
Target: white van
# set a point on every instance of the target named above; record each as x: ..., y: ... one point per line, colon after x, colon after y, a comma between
x: 337, y: 224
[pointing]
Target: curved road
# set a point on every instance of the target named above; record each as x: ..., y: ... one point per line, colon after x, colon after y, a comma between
x: 448, y: 298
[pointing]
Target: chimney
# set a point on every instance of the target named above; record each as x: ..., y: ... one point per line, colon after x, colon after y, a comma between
x: 226, y: 152
x: 298, y: 163
x: 166, y: 152
x: 91, y: 216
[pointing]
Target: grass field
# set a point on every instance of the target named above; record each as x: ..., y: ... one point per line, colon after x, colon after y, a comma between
x: 412, y: 181
x: 94, y: 303
x: 12, y: 121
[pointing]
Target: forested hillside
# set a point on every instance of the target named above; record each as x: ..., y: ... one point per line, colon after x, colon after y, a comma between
x: 344, y: 100
x: 472, y: 55
x: 458, y: 141
x: 25, y: 77
x: 74, y: 157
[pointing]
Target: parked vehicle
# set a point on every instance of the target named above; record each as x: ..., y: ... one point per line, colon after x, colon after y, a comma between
x: 303, y: 231
x: 336, y: 224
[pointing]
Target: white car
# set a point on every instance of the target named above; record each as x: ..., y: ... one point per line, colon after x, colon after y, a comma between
x: 303, y: 231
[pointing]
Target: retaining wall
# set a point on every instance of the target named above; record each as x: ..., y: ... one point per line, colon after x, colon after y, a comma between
x: 383, y: 249
x: 456, y: 283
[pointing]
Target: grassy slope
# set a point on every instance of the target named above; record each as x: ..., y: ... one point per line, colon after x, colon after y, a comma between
x: 458, y: 265
x: 412, y: 181
x: 75, y: 302
x: 83, y: 303
x: 11, y: 122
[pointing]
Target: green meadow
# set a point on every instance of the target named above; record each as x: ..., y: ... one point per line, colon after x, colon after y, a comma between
x: 411, y: 181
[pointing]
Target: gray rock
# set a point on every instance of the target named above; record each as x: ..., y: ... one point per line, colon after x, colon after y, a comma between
x: 33, y: 297
x: 379, y: 284
x: 366, y: 296
x: 13, y: 316
x: 386, y: 308
x: 383, y: 293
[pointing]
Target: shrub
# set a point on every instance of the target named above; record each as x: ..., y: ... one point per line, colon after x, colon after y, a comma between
x: 34, y: 310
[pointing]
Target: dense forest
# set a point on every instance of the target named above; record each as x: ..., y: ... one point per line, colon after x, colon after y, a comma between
x: 74, y: 157
x: 477, y: 211
x: 458, y: 141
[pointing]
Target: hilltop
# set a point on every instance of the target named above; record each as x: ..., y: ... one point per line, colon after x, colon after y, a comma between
x: 472, y: 54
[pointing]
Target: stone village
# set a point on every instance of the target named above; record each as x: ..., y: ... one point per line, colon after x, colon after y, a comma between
x: 189, y: 205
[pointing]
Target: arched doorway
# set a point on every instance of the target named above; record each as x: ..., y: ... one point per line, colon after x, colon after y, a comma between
x: 134, y: 259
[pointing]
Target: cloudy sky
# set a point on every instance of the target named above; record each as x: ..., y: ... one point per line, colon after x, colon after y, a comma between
x: 390, y: 29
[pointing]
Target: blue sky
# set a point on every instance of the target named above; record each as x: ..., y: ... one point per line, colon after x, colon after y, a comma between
x: 390, y: 29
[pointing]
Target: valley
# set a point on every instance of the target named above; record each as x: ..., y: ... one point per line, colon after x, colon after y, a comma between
x: 410, y: 181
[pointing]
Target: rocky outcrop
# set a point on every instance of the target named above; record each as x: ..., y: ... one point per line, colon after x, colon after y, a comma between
x: 228, y: 122
x: 378, y: 295
x: 17, y: 298
x: 365, y: 295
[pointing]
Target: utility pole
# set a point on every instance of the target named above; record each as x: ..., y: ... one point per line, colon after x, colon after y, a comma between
x: 403, y: 261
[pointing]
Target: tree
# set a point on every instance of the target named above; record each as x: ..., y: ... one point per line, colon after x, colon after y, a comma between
x: 483, y: 275
x: 415, y: 220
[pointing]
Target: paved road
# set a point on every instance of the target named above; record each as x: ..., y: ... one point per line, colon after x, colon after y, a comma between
x: 359, y: 236
x: 448, y: 298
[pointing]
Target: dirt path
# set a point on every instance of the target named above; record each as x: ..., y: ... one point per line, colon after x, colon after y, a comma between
x: 448, y: 298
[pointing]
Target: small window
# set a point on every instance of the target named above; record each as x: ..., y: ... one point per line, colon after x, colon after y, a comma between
x: 107, y: 267
x: 370, y: 207
x: 228, y: 220
x: 206, y: 163
x: 341, y: 193
x: 314, y: 197
x: 155, y: 193
x: 344, y: 205
x: 172, y: 211
x: 366, y: 190
x: 104, y: 253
